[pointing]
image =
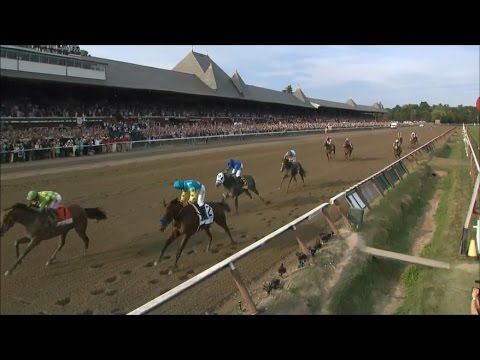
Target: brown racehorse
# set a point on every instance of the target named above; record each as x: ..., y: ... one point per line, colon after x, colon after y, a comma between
x: 413, y: 141
x: 329, y: 149
x: 397, y: 150
x: 292, y: 169
x: 348, y: 148
x: 186, y: 223
x: 39, y: 227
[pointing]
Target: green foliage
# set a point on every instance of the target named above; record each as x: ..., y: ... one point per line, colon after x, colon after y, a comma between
x: 288, y: 89
x: 425, y: 112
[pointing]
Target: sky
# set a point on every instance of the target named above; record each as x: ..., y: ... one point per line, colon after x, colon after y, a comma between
x: 394, y: 74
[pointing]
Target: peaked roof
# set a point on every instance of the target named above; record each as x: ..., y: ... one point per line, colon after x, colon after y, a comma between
x: 209, y: 72
x: 209, y: 78
x: 239, y: 83
x: 351, y: 103
x: 300, y: 96
x: 195, y: 74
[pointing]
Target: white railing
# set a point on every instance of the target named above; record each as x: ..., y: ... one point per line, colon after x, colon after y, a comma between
x: 228, y: 262
x: 475, y: 174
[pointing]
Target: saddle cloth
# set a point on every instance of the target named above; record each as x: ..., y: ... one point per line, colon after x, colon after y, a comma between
x: 64, y: 217
x: 208, y: 210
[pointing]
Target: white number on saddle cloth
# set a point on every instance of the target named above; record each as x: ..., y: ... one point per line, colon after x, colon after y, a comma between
x: 209, y: 211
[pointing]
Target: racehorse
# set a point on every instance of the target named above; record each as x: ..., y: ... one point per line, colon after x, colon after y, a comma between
x: 397, y: 150
x: 292, y: 169
x: 329, y: 148
x: 400, y: 138
x: 186, y: 222
x: 413, y: 141
x: 348, y: 148
x: 40, y: 228
x: 235, y: 189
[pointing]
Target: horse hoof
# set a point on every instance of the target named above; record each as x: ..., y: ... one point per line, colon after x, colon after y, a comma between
x: 7, y: 273
x: 48, y: 263
x: 155, y: 263
x: 170, y: 272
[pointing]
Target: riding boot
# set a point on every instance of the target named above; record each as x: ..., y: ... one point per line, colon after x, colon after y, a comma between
x: 52, y: 216
x: 203, y: 212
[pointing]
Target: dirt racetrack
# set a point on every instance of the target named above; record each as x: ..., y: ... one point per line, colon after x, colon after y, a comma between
x: 117, y: 275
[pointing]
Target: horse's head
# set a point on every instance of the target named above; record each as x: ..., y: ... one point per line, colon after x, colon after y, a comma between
x: 170, y: 211
x: 220, y: 179
x: 284, y: 164
x: 8, y: 220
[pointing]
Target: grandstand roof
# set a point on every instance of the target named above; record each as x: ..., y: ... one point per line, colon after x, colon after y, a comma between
x: 195, y: 74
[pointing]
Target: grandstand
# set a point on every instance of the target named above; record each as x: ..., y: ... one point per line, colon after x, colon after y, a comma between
x: 47, y: 89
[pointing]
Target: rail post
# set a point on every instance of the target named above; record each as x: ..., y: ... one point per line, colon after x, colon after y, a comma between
x: 332, y: 225
x: 303, y: 247
x: 243, y: 290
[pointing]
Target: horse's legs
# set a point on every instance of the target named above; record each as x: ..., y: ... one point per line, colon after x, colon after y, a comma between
x: 223, y: 224
x: 82, y: 233
x: 284, y: 177
x: 180, y: 249
x: 236, y: 204
x: 289, y: 183
x: 61, y: 242
x: 256, y: 192
x: 207, y: 230
x: 23, y: 240
x: 248, y: 193
x: 175, y: 234
x: 295, y: 178
x: 30, y: 246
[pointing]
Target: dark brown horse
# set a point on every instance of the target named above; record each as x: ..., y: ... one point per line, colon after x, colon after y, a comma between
x: 40, y: 228
x: 397, y: 150
x: 329, y: 149
x: 235, y: 189
x: 348, y: 148
x: 292, y: 169
x: 186, y: 223
x: 413, y: 141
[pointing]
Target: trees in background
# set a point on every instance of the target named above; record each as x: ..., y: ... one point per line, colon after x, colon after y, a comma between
x: 425, y: 112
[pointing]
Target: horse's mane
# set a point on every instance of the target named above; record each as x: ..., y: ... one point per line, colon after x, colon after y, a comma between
x: 176, y: 201
x: 20, y: 206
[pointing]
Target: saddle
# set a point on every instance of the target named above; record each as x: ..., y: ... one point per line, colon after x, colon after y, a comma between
x: 62, y: 216
x: 243, y: 182
x: 208, y: 211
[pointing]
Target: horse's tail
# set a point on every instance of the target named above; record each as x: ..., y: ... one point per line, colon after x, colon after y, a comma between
x: 302, y: 171
x: 95, y: 213
x: 224, y: 206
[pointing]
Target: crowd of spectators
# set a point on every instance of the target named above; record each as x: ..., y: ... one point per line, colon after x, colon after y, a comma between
x: 111, y: 125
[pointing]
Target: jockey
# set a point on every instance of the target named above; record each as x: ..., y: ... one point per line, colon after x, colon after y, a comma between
x: 413, y: 135
x: 291, y: 155
x: 396, y: 143
x: 42, y: 200
x: 347, y: 142
x: 328, y: 141
x: 192, y: 186
x: 237, y: 167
